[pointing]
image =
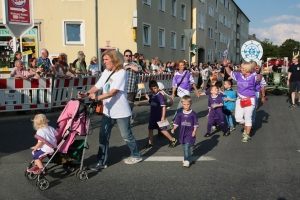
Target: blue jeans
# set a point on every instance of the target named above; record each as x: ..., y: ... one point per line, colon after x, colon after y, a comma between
x: 186, y: 151
x: 229, y: 120
x: 179, y: 108
x: 105, y: 130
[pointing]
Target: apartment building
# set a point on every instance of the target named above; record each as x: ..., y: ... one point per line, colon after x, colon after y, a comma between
x: 151, y: 27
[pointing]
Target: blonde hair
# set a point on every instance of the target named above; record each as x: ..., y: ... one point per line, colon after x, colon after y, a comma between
x: 40, y: 121
x: 186, y: 98
x: 115, y: 57
x: 248, y: 67
x: 147, y: 63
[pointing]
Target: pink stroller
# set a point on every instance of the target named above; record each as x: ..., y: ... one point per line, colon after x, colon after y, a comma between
x: 74, y: 120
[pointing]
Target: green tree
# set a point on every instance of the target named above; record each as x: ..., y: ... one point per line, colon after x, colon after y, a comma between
x: 270, y: 50
x: 288, y: 47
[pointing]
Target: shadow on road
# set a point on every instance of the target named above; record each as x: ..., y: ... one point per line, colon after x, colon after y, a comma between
x: 261, y: 117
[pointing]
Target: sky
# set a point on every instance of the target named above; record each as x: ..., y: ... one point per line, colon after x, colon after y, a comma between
x: 276, y: 20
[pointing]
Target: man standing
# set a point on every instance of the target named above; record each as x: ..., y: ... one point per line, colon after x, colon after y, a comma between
x: 277, y: 67
x: 133, y: 70
x: 226, y: 77
x: 44, y: 60
x: 294, y: 80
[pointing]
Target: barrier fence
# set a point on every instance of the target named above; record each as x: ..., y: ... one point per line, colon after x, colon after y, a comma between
x: 47, y: 93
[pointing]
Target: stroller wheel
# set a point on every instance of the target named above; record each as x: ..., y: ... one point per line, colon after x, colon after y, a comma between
x: 30, y: 176
x: 81, y: 175
x: 43, y: 184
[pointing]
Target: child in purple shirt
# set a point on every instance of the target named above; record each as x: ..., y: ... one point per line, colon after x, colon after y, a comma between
x: 215, y: 115
x: 188, y: 121
x: 157, y: 113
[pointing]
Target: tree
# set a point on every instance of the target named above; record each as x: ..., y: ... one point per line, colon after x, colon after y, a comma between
x: 270, y: 50
x: 288, y: 47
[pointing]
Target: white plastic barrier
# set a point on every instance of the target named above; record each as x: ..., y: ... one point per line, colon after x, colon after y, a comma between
x: 19, y: 94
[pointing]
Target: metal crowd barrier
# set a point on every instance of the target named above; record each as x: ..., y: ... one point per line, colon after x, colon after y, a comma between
x: 46, y: 93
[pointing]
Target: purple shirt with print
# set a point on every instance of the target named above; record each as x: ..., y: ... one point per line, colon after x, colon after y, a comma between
x: 215, y: 113
x: 246, y: 85
x: 185, y: 87
x: 156, y: 101
x: 186, y: 122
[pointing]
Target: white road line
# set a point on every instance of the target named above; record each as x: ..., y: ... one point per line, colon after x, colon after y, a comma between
x: 298, y: 150
x: 176, y: 158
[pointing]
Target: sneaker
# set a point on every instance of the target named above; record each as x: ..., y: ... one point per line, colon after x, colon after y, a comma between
x: 213, y: 128
x: 244, y: 133
x: 207, y: 135
x: 226, y: 133
x: 32, y: 169
x: 132, y: 160
x: 148, y: 146
x: 246, y: 138
x: 232, y: 128
x: 173, y: 142
x: 186, y: 164
x: 97, y: 166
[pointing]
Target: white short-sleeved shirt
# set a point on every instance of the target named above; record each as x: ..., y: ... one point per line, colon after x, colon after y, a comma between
x: 48, y: 133
x: 116, y: 106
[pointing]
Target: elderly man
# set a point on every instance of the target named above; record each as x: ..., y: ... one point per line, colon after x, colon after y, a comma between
x: 294, y: 80
x: 44, y: 60
x: 133, y: 70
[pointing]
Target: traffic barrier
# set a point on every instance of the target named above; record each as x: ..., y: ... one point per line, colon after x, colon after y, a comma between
x: 46, y: 93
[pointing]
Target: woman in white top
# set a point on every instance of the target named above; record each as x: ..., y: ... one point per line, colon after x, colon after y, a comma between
x: 116, y: 108
x: 56, y: 70
x: 94, y: 67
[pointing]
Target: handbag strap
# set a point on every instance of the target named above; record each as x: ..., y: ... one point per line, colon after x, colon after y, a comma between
x: 182, y: 79
x: 109, y: 76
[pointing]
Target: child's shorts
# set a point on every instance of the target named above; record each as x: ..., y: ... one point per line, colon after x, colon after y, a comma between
x: 153, y: 125
x: 39, y: 154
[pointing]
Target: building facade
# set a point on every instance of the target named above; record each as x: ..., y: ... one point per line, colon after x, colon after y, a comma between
x: 151, y: 27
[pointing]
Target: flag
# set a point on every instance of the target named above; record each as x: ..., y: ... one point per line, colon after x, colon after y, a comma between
x: 225, y: 53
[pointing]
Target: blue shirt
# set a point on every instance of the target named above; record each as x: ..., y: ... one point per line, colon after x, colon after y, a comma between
x: 46, y: 62
x: 229, y: 104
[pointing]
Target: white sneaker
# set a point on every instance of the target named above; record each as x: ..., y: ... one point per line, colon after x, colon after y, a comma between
x: 186, y: 163
x: 244, y: 133
x: 213, y: 128
x: 132, y: 160
x: 232, y: 128
x: 246, y: 138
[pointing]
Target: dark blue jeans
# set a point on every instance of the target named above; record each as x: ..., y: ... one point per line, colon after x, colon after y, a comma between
x: 186, y: 151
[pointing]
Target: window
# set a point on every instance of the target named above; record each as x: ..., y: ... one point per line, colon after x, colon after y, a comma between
x: 162, y: 5
x: 230, y: 7
x: 146, y: 34
x: 201, y: 20
x: 211, y: 10
x: 183, y: 12
x: 147, y: 2
x: 226, y: 4
x: 235, y: 12
x: 210, y: 33
x: 173, y: 8
x: 221, y: 18
x: 161, y: 37
x: 173, y: 40
x: 183, y: 42
x: 222, y: 2
x: 210, y: 55
x: 73, y: 32
x: 216, y: 25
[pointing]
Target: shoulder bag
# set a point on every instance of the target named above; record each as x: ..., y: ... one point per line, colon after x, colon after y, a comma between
x: 179, y: 84
x: 100, y: 105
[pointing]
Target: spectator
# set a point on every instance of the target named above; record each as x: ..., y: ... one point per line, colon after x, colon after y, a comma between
x: 56, y: 70
x: 277, y: 67
x: 94, y: 67
x: 34, y: 70
x: 44, y: 60
x: 154, y: 67
x: 80, y: 53
x: 18, y: 56
x: 19, y: 71
x: 63, y: 63
x: 116, y: 108
x: 294, y: 80
x: 80, y: 67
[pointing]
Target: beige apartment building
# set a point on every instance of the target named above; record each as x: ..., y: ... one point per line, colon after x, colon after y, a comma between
x: 151, y: 27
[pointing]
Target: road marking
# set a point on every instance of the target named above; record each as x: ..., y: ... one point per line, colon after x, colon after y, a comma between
x: 298, y: 150
x: 176, y: 158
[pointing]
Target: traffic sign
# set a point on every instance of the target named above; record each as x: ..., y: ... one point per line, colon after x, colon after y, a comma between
x: 189, y: 33
x: 18, y: 16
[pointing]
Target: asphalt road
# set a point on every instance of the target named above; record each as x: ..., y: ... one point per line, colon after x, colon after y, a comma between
x: 267, y: 167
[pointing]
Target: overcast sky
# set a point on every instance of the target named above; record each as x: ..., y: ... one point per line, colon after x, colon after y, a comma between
x: 276, y: 20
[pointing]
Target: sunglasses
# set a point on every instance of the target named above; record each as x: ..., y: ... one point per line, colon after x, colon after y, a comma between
x: 128, y: 55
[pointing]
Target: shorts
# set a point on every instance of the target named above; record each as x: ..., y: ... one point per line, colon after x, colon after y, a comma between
x: 295, y: 86
x: 153, y: 125
x: 39, y: 154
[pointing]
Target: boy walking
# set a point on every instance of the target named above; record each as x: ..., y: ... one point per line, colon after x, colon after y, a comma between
x: 157, y: 113
x: 188, y: 121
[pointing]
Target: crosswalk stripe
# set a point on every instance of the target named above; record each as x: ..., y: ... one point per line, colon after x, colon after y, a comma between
x: 176, y: 158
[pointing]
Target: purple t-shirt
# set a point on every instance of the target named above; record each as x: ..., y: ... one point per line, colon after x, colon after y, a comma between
x: 186, y: 122
x: 215, y: 113
x: 246, y: 85
x: 185, y: 86
x: 156, y: 101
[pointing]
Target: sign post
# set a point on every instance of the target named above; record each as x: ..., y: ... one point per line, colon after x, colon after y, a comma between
x: 189, y: 33
x: 17, y: 17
